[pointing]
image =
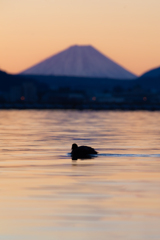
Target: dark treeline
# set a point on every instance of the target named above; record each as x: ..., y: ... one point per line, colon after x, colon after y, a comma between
x: 18, y: 91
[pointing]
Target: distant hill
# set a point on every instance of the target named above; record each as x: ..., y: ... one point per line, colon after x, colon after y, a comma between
x: 148, y: 81
x: 154, y: 73
x: 97, y: 84
x: 80, y: 61
x: 9, y: 80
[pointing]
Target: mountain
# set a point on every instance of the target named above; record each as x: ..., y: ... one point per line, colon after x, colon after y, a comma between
x: 80, y: 61
x: 154, y: 73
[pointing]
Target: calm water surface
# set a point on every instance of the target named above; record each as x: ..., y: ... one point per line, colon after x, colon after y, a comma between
x: 46, y: 195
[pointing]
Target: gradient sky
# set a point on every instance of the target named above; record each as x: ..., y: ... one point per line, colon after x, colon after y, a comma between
x: 126, y: 31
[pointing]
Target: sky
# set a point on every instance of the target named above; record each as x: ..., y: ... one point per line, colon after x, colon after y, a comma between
x: 126, y: 31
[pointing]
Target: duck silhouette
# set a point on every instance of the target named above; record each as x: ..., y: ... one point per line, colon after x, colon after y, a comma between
x: 82, y: 152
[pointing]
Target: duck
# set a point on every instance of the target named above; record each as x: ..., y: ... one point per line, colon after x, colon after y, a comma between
x: 82, y: 152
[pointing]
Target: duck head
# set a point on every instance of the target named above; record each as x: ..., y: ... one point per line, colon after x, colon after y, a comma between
x: 74, y: 146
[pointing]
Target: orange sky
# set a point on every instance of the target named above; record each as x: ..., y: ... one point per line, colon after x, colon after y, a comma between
x: 125, y: 31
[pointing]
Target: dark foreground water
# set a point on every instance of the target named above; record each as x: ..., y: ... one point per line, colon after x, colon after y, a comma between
x: 46, y: 195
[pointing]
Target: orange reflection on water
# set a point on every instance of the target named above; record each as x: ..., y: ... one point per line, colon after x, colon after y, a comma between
x: 46, y: 195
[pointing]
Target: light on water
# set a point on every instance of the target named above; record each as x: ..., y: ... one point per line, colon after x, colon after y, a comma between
x: 46, y: 195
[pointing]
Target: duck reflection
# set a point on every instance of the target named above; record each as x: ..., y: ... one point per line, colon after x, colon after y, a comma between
x: 82, y: 152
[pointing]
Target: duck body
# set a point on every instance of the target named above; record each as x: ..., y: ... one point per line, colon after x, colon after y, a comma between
x: 82, y: 152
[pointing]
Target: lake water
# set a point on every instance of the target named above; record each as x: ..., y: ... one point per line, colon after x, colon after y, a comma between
x: 46, y: 195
